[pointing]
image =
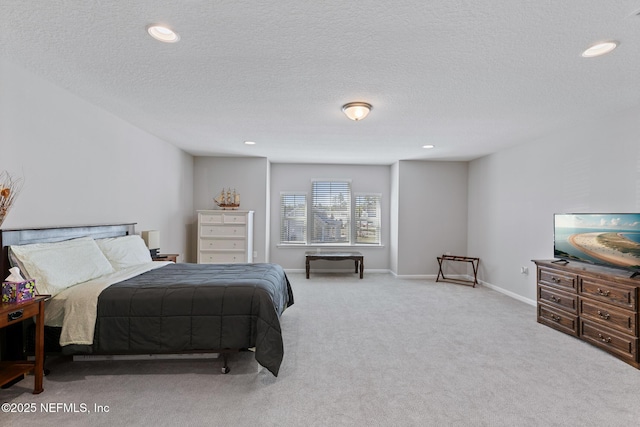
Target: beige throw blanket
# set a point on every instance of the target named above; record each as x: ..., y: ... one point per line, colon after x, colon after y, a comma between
x: 75, y: 309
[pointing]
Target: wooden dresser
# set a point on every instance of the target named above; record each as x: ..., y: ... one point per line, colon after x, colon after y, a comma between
x: 225, y: 236
x: 597, y: 304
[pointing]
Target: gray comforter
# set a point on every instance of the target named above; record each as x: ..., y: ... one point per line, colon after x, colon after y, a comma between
x: 196, y: 307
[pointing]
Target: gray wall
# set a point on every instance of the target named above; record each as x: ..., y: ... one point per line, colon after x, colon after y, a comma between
x: 513, y: 194
x: 83, y: 165
x: 249, y: 176
x: 432, y: 215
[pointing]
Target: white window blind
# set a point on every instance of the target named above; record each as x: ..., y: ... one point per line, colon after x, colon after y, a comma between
x: 331, y: 212
x: 293, y: 218
x: 367, y: 218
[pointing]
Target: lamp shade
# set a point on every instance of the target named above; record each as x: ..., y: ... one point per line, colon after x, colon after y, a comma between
x: 151, y: 238
x: 356, y: 110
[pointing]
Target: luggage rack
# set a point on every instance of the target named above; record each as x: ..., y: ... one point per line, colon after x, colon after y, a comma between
x: 473, y: 261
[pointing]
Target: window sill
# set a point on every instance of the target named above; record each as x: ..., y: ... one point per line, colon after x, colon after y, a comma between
x: 307, y: 247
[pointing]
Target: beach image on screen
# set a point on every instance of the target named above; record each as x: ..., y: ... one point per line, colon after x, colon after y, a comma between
x: 612, y: 239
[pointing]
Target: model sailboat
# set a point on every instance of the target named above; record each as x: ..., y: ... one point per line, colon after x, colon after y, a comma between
x: 228, y: 199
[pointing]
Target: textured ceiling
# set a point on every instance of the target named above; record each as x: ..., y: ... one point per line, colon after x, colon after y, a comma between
x: 469, y: 77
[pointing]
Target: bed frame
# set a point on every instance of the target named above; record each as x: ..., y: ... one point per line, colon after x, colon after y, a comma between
x: 56, y: 234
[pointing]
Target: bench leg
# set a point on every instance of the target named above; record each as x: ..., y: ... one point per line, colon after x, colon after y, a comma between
x: 361, y: 267
x: 307, y: 267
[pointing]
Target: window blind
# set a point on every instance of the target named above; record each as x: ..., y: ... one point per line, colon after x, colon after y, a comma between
x: 331, y: 212
x: 367, y: 218
x: 293, y: 218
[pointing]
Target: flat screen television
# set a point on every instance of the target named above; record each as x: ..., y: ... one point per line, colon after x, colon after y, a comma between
x: 607, y: 239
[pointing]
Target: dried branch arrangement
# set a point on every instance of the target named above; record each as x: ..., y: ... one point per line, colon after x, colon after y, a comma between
x: 9, y: 189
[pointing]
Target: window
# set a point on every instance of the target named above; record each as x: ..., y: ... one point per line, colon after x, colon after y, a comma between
x: 293, y: 216
x: 331, y: 212
x: 333, y: 216
x: 367, y: 218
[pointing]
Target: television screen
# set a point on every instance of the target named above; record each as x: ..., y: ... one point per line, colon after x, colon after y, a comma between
x: 607, y: 239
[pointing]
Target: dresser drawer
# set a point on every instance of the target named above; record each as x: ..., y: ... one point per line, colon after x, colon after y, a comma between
x: 611, y: 294
x: 222, y: 258
x: 223, y: 230
x: 207, y: 244
x: 210, y: 218
x: 558, y: 319
x: 230, y: 218
x: 622, y: 345
x: 558, y: 279
x: 610, y: 316
x: 558, y: 298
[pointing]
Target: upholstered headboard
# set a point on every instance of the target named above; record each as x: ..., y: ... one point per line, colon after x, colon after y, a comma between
x: 56, y: 234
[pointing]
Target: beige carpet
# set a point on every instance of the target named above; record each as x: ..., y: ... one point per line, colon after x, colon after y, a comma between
x: 375, y: 352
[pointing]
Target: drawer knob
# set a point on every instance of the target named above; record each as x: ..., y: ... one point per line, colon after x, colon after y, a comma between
x: 603, y: 293
x: 603, y: 339
x: 553, y: 298
x: 604, y: 316
x: 14, y: 315
x: 555, y: 318
x: 555, y: 280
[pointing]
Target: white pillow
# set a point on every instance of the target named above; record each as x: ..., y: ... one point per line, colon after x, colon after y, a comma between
x: 57, y: 266
x: 126, y: 251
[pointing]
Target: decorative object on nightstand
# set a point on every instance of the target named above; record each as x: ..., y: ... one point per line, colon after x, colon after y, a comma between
x: 166, y: 257
x: 152, y: 240
x: 225, y: 236
x: 228, y: 199
x: 9, y: 189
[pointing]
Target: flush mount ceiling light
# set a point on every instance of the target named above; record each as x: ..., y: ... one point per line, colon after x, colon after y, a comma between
x: 250, y: 143
x: 356, y: 110
x: 162, y: 33
x: 599, y: 49
x: 428, y: 146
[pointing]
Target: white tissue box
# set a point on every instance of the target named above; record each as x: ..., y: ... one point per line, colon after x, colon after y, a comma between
x: 18, y: 291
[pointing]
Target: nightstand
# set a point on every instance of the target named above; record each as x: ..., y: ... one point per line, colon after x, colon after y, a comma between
x: 13, y: 313
x: 166, y: 257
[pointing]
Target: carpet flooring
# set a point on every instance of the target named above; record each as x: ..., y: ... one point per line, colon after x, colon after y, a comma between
x: 382, y: 351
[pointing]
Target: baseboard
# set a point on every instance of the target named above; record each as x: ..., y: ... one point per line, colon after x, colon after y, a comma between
x: 508, y: 293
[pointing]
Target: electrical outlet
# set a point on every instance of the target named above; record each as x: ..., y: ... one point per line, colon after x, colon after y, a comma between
x: 255, y: 254
x: 524, y: 270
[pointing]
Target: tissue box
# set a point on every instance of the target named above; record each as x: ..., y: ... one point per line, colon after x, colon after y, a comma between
x: 18, y: 291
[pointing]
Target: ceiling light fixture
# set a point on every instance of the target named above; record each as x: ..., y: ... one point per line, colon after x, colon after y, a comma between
x: 162, y: 33
x: 250, y: 143
x: 599, y: 49
x: 428, y: 146
x: 356, y: 110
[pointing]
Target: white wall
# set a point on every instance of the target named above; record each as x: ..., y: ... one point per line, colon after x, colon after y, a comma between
x: 432, y: 215
x: 513, y: 194
x: 83, y: 165
x: 249, y: 176
x: 297, y: 177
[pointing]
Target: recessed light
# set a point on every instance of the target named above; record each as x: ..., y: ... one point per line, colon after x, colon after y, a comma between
x: 163, y: 33
x: 599, y: 49
x: 428, y: 146
x: 250, y: 143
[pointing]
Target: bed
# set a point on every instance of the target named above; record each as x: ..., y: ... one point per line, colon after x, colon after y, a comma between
x: 131, y: 305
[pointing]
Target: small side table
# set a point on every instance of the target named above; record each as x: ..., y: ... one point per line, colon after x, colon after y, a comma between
x: 166, y: 257
x: 15, y: 312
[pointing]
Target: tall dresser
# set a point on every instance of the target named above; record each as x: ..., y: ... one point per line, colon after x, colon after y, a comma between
x: 225, y: 236
x: 596, y: 304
